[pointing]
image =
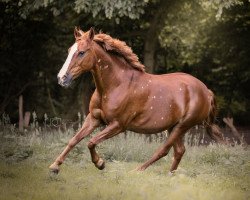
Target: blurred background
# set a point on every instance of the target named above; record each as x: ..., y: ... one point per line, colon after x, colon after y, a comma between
x: 209, y: 39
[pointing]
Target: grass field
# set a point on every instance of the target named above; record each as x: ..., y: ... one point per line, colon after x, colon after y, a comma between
x: 206, y: 173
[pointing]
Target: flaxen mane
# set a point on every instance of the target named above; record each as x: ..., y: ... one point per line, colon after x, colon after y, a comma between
x: 120, y: 47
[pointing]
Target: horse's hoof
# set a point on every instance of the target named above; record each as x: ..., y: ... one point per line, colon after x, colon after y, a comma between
x: 100, y: 164
x: 171, y: 173
x: 140, y: 169
x: 54, y: 169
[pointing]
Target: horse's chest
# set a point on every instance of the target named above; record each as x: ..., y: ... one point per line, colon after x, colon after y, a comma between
x: 111, y: 110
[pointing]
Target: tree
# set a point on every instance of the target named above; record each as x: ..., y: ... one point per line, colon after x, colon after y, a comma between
x: 212, y: 48
x: 205, y: 38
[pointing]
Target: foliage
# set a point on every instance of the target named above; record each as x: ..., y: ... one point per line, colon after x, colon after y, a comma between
x: 210, y: 47
x: 112, y: 9
x: 208, y: 39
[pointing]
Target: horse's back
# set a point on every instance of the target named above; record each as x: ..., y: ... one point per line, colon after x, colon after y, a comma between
x: 180, y: 77
x: 178, y: 82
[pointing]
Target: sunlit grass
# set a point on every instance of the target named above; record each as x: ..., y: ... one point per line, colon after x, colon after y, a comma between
x: 212, y: 172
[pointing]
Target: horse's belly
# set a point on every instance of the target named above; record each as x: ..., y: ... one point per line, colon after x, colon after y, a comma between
x: 153, y: 122
x: 147, y: 130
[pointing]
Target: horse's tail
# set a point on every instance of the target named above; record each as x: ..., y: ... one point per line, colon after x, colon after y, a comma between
x: 212, y: 129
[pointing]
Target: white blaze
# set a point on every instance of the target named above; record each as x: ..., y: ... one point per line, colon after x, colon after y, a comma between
x: 67, y: 62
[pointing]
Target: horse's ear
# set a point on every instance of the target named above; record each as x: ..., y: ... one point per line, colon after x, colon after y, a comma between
x: 91, y: 33
x: 77, y: 32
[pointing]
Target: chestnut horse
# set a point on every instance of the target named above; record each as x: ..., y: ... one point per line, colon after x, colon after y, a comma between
x: 128, y: 98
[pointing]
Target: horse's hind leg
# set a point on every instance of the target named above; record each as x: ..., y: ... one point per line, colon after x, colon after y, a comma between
x: 89, y: 125
x: 179, y: 150
x: 175, y: 135
x: 111, y: 130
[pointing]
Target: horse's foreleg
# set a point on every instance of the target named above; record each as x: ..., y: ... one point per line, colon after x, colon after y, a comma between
x: 88, y: 127
x: 179, y: 150
x: 110, y: 131
x: 163, y: 151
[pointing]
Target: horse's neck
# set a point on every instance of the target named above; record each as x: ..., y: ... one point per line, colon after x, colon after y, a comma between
x: 109, y: 71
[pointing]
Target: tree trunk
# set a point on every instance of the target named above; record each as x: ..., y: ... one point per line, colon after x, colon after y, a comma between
x: 20, y: 107
x: 26, y: 119
x: 51, y: 100
x: 151, y: 40
x: 149, y: 52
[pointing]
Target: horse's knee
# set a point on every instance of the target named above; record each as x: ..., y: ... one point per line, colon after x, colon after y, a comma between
x: 182, y: 150
x: 179, y: 152
x: 91, y: 145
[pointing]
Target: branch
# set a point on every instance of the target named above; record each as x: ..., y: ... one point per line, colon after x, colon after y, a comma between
x: 229, y: 122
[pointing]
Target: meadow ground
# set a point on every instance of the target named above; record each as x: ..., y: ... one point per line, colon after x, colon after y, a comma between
x: 210, y: 172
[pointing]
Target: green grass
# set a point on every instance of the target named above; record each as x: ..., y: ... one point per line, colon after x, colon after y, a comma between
x: 212, y: 172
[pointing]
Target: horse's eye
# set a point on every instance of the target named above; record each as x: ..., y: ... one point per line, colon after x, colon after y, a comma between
x: 81, y: 53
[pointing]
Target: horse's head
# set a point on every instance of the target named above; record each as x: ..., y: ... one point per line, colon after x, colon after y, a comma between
x: 80, y: 57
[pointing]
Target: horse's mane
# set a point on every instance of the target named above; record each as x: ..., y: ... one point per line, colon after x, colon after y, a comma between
x: 121, y: 48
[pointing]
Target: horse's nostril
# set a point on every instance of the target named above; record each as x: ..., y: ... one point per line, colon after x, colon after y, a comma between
x: 64, y: 77
x: 60, y: 80
x: 64, y: 80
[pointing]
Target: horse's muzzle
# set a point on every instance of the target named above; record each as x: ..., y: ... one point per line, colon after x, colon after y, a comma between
x: 65, y: 81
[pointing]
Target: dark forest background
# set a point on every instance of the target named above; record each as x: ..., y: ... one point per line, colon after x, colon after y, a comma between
x: 209, y: 39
